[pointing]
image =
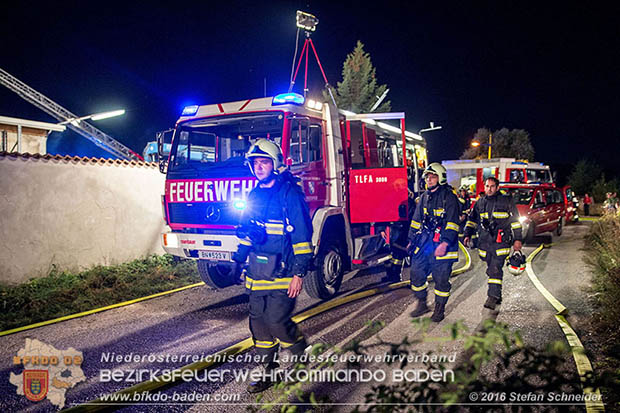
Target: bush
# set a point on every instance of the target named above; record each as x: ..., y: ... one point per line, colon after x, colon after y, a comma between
x: 601, y: 187
x: 604, y: 259
x: 495, y: 360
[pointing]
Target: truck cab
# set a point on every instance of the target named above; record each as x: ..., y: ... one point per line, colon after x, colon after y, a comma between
x: 355, y: 171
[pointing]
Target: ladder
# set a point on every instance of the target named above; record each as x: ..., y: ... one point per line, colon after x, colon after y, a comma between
x: 52, y: 108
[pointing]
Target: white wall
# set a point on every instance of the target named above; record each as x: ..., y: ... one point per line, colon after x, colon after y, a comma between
x: 75, y: 214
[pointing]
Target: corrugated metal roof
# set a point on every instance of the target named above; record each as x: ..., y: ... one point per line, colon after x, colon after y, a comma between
x: 77, y: 159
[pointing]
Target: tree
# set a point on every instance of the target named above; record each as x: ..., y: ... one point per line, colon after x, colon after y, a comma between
x: 584, y: 176
x: 505, y: 143
x: 358, y: 91
x: 601, y: 186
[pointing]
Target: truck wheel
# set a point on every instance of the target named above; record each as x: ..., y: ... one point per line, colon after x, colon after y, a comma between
x: 324, y: 282
x: 215, y: 275
x: 558, y: 230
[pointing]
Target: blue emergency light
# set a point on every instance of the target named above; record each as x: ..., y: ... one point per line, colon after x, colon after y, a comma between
x: 239, y: 204
x: 189, y: 110
x: 285, y: 98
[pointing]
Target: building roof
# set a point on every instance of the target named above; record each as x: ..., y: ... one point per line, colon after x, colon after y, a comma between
x: 76, y: 159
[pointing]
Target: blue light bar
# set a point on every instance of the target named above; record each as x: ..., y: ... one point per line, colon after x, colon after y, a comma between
x: 189, y: 110
x: 239, y: 204
x: 284, y: 98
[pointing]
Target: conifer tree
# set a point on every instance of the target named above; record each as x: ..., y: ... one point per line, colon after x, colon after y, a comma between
x: 358, y: 91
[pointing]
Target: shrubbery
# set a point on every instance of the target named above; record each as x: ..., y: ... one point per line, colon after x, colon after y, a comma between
x: 603, y: 256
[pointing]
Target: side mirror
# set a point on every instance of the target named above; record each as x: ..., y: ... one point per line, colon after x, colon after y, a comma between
x: 538, y: 205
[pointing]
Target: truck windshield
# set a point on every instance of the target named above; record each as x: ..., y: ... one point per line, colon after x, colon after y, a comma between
x: 539, y: 175
x: 226, y: 139
x: 521, y: 196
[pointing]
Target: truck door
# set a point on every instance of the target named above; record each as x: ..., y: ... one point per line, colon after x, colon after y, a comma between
x: 377, y: 177
x: 306, y: 158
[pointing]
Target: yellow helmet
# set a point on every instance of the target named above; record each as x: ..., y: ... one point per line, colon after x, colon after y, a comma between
x: 264, y: 148
x: 437, y: 169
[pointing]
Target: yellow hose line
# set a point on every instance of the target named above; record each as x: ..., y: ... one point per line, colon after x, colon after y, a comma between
x: 96, y: 310
x: 242, y: 346
x: 109, y: 307
x: 593, y: 401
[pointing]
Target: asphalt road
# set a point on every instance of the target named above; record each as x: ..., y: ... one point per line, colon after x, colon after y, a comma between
x: 201, y: 321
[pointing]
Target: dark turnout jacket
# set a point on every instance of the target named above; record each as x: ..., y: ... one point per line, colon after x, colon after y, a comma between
x: 492, y: 214
x: 283, y: 213
x: 436, y: 220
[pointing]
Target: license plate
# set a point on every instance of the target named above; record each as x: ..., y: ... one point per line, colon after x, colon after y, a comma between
x: 214, y: 255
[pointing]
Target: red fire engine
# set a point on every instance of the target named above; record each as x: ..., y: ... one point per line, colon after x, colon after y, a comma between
x: 471, y: 173
x: 356, y: 171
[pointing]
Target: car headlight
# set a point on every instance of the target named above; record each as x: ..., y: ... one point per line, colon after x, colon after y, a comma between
x: 522, y: 220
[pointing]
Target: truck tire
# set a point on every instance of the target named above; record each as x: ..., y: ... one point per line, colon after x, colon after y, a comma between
x: 559, y: 228
x: 324, y: 282
x: 215, y: 275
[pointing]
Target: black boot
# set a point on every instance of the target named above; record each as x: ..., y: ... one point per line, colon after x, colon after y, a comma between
x: 438, y: 314
x: 492, y: 302
x: 264, y: 382
x: 420, y: 309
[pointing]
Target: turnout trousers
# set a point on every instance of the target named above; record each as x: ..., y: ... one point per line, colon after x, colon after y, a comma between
x: 271, y: 324
x: 424, y: 263
x: 494, y: 254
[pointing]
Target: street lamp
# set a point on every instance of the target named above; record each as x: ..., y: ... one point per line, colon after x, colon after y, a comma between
x: 94, y: 116
x: 476, y: 143
x: 432, y: 128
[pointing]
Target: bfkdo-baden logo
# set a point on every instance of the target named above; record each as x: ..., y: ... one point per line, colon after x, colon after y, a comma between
x: 35, y: 384
x: 48, y: 372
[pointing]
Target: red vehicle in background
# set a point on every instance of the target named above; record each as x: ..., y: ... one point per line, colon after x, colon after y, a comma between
x: 542, y: 208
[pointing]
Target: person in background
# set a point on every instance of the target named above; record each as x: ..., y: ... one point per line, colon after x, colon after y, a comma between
x: 611, y: 203
x: 587, y: 201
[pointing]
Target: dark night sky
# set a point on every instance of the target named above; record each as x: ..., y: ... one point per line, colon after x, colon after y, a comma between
x: 550, y: 69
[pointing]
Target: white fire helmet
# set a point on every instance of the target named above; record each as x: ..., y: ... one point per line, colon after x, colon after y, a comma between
x: 264, y: 148
x: 516, y: 263
x: 437, y: 169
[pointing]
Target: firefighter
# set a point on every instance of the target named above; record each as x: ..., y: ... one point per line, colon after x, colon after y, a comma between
x: 275, y: 237
x: 496, y: 218
x: 433, y: 241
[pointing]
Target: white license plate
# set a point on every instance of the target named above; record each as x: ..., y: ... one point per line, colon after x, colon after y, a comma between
x: 214, y: 255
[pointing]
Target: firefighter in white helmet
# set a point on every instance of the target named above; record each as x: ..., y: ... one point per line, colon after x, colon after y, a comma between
x: 496, y: 218
x: 275, y: 237
x: 433, y: 241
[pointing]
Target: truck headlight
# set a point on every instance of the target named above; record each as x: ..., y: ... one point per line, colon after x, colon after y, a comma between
x: 240, y: 204
x: 522, y: 220
x: 170, y: 240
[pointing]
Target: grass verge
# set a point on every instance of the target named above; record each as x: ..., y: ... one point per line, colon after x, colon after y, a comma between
x: 63, y: 293
x: 603, y: 257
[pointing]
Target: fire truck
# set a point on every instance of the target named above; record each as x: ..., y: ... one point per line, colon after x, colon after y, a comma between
x: 471, y: 173
x: 357, y: 172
